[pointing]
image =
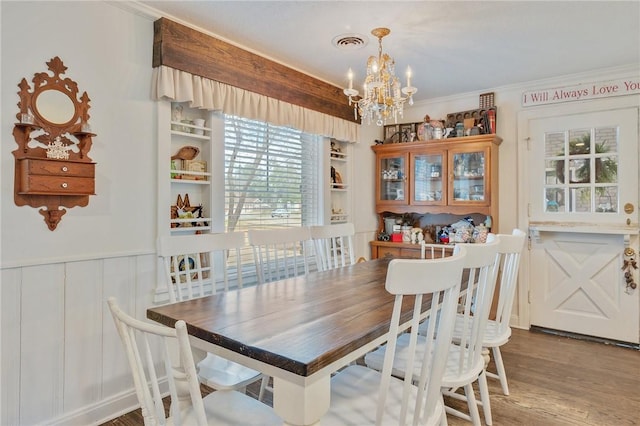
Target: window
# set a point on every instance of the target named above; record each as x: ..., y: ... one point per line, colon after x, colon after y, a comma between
x: 271, y: 176
x: 582, y: 171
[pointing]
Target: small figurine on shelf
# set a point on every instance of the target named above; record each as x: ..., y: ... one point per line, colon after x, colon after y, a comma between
x: 335, y: 150
x: 416, y: 235
x: 176, y: 116
x: 57, y: 150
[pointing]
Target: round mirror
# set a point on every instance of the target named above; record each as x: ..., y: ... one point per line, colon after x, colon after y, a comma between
x: 55, y: 106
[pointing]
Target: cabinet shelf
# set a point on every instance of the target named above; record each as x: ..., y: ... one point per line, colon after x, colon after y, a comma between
x: 339, y: 218
x: 190, y: 134
x: 191, y: 181
x: 190, y: 229
x: 203, y: 177
x: 191, y: 220
x: 463, y: 178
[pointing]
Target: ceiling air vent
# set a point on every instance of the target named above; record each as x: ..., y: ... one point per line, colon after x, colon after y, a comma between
x: 350, y: 41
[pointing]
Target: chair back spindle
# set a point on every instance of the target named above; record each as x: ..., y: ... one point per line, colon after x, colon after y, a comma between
x: 333, y: 245
x: 280, y: 253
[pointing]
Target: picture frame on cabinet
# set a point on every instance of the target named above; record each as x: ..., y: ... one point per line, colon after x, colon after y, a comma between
x: 389, y: 132
x: 405, y: 132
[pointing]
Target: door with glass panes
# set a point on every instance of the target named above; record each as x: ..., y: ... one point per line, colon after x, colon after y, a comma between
x: 582, y: 201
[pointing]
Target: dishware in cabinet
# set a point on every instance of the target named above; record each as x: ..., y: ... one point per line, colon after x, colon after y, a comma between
x: 469, y: 181
x: 428, y: 182
x: 391, y: 178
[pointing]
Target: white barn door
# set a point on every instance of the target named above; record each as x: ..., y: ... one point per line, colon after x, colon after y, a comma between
x: 582, y: 208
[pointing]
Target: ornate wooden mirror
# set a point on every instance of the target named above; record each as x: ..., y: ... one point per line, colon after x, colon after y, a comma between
x: 52, y: 169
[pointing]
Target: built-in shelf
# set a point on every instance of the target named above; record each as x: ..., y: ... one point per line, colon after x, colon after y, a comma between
x: 175, y: 182
x: 339, y: 193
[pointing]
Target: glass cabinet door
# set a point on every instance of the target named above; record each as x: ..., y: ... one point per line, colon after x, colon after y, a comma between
x: 469, y: 181
x: 392, y: 179
x: 428, y: 171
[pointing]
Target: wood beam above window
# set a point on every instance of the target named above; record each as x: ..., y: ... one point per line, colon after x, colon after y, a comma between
x: 186, y: 49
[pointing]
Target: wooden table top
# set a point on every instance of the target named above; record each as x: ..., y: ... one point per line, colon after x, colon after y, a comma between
x: 300, y: 324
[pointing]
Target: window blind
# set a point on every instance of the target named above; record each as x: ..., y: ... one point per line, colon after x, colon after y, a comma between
x: 271, y: 176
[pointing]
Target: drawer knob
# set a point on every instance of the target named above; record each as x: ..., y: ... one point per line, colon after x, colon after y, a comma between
x: 64, y: 184
x: 65, y: 169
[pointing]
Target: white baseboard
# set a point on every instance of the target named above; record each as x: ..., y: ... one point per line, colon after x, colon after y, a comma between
x: 101, y: 411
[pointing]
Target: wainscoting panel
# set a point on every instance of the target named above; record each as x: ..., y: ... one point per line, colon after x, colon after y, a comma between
x: 83, y: 350
x: 41, y: 343
x: 10, y: 387
x: 62, y: 360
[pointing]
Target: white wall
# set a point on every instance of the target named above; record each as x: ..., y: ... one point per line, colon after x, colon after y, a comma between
x: 62, y: 361
x: 108, y: 53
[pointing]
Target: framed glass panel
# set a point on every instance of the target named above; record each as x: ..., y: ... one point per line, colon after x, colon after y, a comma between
x: 554, y: 172
x: 580, y: 200
x: 606, y: 199
x: 580, y: 170
x: 606, y: 169
x: 554, y: 144
x: 428, y: 177
x: 554, y: 200
x: 392, y: 179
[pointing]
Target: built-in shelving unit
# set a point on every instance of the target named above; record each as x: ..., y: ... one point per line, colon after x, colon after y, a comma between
x: 184, y: 170
x: 339, y: 182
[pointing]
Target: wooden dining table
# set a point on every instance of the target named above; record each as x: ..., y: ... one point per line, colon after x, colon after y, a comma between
x: 298, y: 330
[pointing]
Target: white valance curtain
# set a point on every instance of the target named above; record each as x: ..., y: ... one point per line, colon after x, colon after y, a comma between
x: 180, y: 86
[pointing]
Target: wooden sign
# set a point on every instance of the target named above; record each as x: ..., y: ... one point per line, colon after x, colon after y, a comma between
x: 620, y: 87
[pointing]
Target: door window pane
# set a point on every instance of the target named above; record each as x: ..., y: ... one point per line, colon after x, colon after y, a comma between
x: 583, y: 165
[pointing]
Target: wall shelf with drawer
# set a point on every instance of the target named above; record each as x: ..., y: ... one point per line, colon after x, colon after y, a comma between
x: 52, y: 165
x: 41, y: 176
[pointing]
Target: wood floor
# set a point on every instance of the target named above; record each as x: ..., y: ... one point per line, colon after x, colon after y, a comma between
x: 553, y: 380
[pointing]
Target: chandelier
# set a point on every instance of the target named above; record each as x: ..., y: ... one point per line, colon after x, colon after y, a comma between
x: 382, y: 98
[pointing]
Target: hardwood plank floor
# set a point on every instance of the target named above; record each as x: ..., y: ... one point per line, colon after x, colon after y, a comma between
x: 553, y: 380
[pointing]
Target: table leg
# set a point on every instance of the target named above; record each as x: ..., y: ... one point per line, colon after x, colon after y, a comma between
x: 182, y: 387
x: 301, y: 405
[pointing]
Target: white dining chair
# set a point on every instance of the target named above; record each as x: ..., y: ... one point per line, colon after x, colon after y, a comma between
x: 280, y: 253
x: 434, y: 251
x: 498, y: 330
x: 465, y: 363
x: 195, y: 266
x: 333, y: 245
x: 159, y: 368
x: 362, y: 396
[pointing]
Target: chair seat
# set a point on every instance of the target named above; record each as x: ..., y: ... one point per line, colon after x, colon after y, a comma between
x: 451, y: 379
x: 354, y: 399
x: 222, y: 374
x: 493, y: 336
x: 222, y: 408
